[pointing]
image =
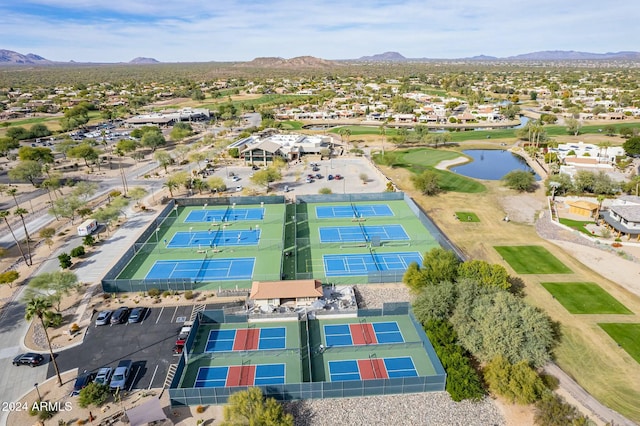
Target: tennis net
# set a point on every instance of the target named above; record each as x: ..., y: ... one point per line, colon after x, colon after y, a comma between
x: 373, y: 256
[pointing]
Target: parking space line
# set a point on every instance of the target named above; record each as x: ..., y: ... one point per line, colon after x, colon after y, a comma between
x: 174, y: 314
x: 153, y: 376
x: 134, y: 378
x: 159, y: 315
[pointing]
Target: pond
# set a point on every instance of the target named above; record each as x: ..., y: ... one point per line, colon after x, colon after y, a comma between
x: 491, y: 164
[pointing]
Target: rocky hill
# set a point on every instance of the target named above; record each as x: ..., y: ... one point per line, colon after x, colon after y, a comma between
x: 142, y: 60
x: 384, y: 57
x: 11, y: 57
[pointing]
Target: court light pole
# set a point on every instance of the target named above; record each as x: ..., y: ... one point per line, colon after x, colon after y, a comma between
x: 157, y: 230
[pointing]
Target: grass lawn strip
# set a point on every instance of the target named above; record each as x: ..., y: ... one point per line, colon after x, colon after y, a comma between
x: 585, y: 298
x: 467, y: 217
x: 625, y: 335
x: 532, y: 260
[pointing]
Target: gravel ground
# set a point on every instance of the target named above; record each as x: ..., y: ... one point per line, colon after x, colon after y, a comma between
x: 435, y: 408
x: 374, y: 295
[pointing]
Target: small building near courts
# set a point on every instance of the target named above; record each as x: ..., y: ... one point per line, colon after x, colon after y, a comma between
x: 268, y: 295
x: 583, y: 208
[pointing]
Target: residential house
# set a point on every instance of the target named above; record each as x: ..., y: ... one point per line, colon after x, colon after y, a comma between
x: 624, y: 216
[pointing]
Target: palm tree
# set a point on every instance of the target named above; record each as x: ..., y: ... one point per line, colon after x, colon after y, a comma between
x: 39, y: 307
x: 171, y: 185
x: 600, y: 199
x: 3, y: 215
x: 13, y: 192
x: 21, y: 212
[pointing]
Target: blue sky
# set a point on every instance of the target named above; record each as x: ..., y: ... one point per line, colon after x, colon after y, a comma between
x: 240, y: 30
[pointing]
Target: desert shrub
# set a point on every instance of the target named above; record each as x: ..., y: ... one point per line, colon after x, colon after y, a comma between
x: 153, y: 292
x: 77, y: 251
x: 188, y: 294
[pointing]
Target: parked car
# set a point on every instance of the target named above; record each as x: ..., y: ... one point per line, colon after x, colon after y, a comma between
x: 104, y: 375
x: 177, y: 349
x: 121, y: 375
x: 308, y: 180
x: 82, y: 381
x: 137, y: 315
x: 286, y: 188
x: 30, y: 358
x: 183, y: 334
x: 337, y: 177
x: 235, y: 178
x: 330, y: 177
x: 239, y: 188
x: 316, y: 169
x: 318, y: 176
x: 254, y: 167
x: 104, y: 317
x: 120, y: 315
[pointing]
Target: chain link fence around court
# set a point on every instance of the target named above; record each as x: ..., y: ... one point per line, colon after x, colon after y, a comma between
x: 315, y: 390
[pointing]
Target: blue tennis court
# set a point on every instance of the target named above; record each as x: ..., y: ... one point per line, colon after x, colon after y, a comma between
x: 334, y: 234
x: 372, y: 368
x: 361, y: 264
x: 215, y: 237
x: 204, y: 270
x: 359, y: 210
x: 354, y: 333
x: 228, y: 214
x: 240, y: 375
x: 244, y: 339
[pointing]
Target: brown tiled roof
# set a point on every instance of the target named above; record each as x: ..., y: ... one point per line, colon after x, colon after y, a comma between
x: 285, y: 289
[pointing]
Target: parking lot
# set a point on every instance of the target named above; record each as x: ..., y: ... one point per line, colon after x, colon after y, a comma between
x: 295, y: 174
x: 148, y: 344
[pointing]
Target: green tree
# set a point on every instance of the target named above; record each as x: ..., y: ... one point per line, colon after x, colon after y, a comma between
x: 47, y: 235
x: 41, y: 155
x: 265, y: 177
x: 484, y: 273
x: 389, y: 159
x: 427, y: 182
x: 632, y: 146
x: 78, y: 251
x: 250, y: 407
x: 18, y: 133
x: 440, y: 265
x: 552, y: 410
x: 517, y: 383
x: 493, y: 322
x: 65, y: 260
x: 85, y: 151
x: 4, y: 214
x: 520, y: 180
x: 216, y: 184
x: 180, y: 131
x: 88, y: 240
x: 562, y: 182
x: 8, y: 277
x: 66, y: 207
x: 573, y: 126
x: 435, y: 302
x: 153, y: 140
x: 39, y: 307
x: 93, y: 394
x: 54, y: 284
x: 7, y: 145
x: 39, y: 130
x: 137, y: 193
x: 163, y: 158
x: 28, y: 170
x: 21, y: 212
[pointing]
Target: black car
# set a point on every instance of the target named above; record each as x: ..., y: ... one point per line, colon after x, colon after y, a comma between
x: 137, y: 315
x: 82, y: 381
x: 29, y: 358
x: 120, y: 315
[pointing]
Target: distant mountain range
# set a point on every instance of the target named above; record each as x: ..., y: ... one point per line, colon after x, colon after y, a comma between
x: 9, y: 57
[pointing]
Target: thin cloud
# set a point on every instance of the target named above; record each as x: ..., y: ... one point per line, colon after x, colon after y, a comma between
x: 190, y: 30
